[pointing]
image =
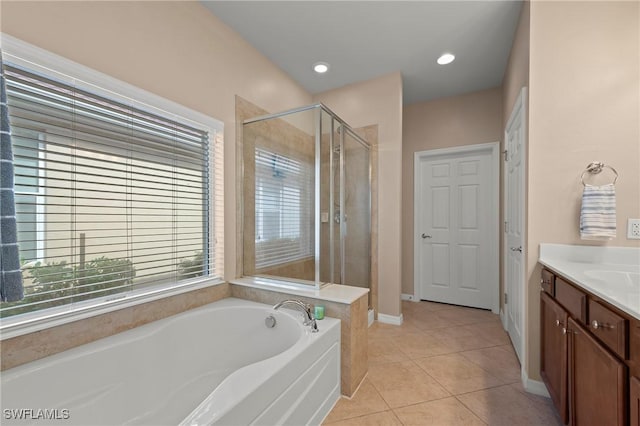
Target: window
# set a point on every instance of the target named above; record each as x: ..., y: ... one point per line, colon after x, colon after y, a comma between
x: 113, y: 197
x: 284, y: 209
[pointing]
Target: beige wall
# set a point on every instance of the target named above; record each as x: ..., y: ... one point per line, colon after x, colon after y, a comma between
x: 468, y: 119
x: 516, y: 75
x: 584, y: 106
x: 177, y: 50
x: 379, y: 101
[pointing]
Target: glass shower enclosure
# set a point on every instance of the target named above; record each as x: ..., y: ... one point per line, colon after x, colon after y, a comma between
x: 306, y: 199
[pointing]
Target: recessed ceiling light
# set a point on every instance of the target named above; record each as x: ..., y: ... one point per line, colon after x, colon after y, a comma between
x: 321, y: 67
x: 446, y: 58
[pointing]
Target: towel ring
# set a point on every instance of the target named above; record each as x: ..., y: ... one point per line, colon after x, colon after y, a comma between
x: 595, y: 168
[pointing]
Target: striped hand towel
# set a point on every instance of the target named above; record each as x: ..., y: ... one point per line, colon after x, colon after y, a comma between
x: 598, y: 213
x: 11, y: 288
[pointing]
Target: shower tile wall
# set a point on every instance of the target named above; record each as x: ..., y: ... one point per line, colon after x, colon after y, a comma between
x: 325, y: 207
x: 370, y: 134
x: 356, y: 200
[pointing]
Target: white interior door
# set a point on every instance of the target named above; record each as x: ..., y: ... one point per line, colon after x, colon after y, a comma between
x: 456, y: 226
x: 514, y: 248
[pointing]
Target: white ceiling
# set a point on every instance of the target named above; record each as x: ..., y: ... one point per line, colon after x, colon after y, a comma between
x: 367, y: 39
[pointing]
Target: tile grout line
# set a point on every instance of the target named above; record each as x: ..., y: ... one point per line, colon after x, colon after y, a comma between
x: 470, y: 409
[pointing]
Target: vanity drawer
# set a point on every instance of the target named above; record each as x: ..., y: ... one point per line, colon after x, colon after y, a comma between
x: 548, y: 282
x: 572, y: 299
x: 609, y: 327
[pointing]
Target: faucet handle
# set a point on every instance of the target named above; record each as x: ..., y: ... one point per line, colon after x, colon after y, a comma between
x: 313, y: 325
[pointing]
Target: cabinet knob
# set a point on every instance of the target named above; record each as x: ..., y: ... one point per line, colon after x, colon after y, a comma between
x: 557, y: 323
x: 596, y: 325
x: 564, y: 330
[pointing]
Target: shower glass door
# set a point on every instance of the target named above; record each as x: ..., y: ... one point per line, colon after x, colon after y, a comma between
x: 306, y: 199
x: 355, y: 212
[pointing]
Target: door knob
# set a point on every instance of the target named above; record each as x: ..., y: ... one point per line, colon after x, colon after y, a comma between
x: 426, y: 236
x: 517, y: 249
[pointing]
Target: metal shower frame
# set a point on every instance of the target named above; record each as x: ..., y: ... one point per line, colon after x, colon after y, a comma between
x: 319, y: 108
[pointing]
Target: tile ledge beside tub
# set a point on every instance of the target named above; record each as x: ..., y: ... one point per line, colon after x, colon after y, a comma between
x: 611, y: 273
x: 332, y: 292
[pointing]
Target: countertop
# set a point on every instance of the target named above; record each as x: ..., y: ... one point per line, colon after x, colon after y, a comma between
x: 330, y: 292
x: 611, y: 273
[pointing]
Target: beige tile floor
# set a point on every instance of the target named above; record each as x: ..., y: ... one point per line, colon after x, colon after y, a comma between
x: 446, y: 365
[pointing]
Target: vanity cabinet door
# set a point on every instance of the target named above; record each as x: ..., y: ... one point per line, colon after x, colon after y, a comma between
x: 634, y: 402
x: 597, y: 381
x: 553, y: 360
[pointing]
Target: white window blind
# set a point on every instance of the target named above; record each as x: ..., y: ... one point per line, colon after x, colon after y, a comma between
x: 284, y: 209
x: 112, y: 196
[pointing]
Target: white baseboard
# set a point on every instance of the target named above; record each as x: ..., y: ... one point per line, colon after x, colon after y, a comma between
x: 370, y: 317
x: 535, y: 387
x: 503, y: 319
x: 410, y: 297
x: 390, y: 319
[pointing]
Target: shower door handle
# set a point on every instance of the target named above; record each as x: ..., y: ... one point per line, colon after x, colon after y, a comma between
x: 426, y: 236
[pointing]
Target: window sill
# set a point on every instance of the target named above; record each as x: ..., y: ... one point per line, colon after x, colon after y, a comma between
x: 32, y: 322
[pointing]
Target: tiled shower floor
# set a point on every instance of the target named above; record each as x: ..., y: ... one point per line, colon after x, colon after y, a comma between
x: 446, y: 365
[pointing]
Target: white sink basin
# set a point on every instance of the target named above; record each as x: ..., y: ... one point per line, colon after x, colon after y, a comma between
x: 617, y: 280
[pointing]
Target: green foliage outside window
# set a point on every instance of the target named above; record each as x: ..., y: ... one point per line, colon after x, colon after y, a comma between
x: 58, y: 283
x: 192, y: 267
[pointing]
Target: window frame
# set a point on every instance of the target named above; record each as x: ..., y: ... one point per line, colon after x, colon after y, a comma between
x: 24, y: 54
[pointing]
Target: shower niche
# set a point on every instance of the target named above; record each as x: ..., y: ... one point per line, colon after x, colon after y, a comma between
x: 306, y: 199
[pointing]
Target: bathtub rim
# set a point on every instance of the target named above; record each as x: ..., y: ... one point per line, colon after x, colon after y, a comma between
x: 150, y: 328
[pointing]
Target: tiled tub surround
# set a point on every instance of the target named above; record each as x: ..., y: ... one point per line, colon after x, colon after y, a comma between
x: 33, y: 346
x: 348, y: 304
x: 612, y: 273
x: 218, y: 364
x: 22, y: 349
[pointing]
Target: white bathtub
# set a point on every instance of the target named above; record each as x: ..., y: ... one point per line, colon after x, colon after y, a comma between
x: 218, y: 364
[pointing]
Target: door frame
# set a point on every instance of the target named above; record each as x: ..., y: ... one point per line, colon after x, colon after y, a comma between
x: 494, y: 149
x: 519, y: 110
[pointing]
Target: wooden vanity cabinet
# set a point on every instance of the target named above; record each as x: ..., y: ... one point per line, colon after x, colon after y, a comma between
x: 589, y: 349
x: 553, y: 362
x: 597, y: 380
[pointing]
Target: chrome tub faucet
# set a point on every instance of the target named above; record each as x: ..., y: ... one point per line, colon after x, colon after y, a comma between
x: 309, y: 319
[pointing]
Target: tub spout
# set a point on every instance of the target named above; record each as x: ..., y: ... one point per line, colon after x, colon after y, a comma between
x: 305, y: 308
